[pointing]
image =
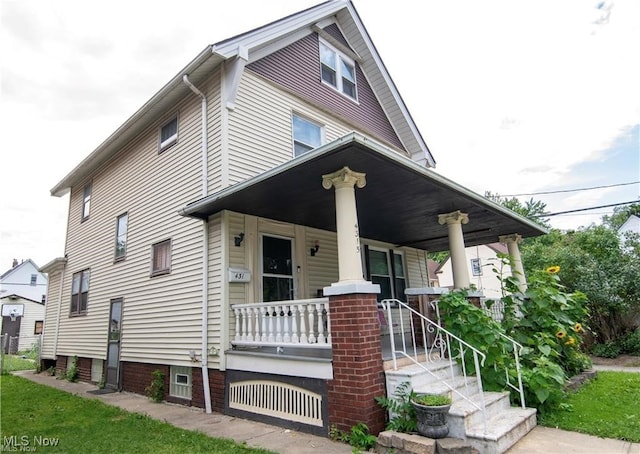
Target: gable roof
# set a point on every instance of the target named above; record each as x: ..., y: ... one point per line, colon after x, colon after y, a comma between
x: 252, y: 46
x: 24, y: 264
x: 632, y: 224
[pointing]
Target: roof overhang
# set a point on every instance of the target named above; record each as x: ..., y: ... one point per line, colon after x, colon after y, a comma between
x: 399, y: 204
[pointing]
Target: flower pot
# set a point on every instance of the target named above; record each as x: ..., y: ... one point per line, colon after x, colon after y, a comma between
x: 432, y: 420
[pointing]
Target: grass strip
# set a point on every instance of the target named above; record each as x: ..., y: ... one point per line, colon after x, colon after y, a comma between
x: 31, y: 413
x: 607, y: 406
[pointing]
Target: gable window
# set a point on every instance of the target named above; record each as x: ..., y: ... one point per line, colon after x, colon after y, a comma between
x: 34, y: 279
x: 79, y: 292
x: 86, y: 201
x: 337, y: 70
x: 161, y: 258
x: 169, y: 134
x: 180, y: 382
x: 121, y: 236
x: 306, y: 135
x: 386, y: 268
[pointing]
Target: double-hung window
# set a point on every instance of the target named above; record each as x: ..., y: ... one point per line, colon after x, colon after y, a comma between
x: 307, y: 135
x: 337, y: 70
x: 168, y: 134
x: 79, y: 292
x: 161, y: 258
x: 386, y: 268
x: 121, y: 236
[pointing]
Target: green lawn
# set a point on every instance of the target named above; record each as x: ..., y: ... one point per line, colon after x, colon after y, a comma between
x: 32, y: 412
x: 15, y: 362
x: 608, y: 407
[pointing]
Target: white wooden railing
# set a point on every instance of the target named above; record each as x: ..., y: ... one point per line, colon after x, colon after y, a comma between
x: 298, y: 323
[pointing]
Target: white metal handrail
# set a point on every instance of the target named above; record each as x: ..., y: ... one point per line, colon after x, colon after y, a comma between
x: 517, y: 349
x: 440, y: 348
x: 299, y: 323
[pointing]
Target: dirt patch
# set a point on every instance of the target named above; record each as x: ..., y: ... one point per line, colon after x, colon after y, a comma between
x: 622, y: 361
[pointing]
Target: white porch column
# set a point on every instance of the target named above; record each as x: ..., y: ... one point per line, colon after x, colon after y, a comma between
x: 517, y: 270
x: 349, y: 261
x: 454, y: 221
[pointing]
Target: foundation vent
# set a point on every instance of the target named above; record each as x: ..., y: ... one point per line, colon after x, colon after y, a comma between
x: 277, y: 399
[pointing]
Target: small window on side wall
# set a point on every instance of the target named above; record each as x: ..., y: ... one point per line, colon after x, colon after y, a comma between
x: 161, y: 258
x: 121, y: 236
x: 337, y: 70
x: 168, y: 134
x: 86, y: 201
x: 37, y: 329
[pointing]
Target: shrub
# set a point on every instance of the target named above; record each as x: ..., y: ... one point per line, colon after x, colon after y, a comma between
x: 631, y: 343
x: 607, y: 350
x: 72, y: 370
x: 155, y: 390
x: 403, y: 415
x: 358, y: 437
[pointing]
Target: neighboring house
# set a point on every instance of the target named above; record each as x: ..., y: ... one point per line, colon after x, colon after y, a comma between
x: 481, y: 261
x: 23, y: 290
x: 238, y: 230
x: 630, y: 226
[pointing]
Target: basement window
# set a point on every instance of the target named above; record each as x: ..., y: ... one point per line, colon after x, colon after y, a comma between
x: 180, y: 382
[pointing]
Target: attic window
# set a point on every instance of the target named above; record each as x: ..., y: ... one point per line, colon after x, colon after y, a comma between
x: 337, y: 70
x: 169, y: 134
x: 34, y: 279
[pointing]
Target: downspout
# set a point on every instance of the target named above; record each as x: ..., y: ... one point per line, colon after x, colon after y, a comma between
x: 205, y: 251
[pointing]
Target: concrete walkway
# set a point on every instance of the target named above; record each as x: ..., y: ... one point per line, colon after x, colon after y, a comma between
x: 542, y: 440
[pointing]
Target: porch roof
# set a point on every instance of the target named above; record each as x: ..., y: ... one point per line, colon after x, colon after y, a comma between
x: 399, y: 204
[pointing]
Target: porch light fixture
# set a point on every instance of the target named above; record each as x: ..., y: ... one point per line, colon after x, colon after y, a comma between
x: 237, y: 240
x: 314, y: 249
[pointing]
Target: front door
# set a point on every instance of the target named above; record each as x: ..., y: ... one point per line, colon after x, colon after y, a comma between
x: 112, y: 375
x: 277, y: 269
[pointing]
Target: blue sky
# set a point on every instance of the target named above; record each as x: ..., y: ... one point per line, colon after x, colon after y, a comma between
x: 510, y: 96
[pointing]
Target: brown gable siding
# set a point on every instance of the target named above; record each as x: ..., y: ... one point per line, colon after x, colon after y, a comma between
x: 335, y: 32
x: 296, y: 67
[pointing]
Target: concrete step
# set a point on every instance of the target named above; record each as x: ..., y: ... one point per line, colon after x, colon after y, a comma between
x: 464, y: 414
x: 503, y: 430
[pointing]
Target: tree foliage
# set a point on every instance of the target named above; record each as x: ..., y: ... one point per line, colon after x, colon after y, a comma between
x: 531, y: 209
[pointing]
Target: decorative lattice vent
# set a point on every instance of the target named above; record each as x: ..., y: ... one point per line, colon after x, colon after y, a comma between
x: 277, y: 399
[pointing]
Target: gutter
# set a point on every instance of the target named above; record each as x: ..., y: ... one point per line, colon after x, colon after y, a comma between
x: 205, y: 250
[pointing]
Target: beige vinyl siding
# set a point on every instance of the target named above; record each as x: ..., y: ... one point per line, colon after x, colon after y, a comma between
x: 322, y: 269
x: 416, y: 265
x: 161, y: 315
x: 51, y: 315
x: 237, y: 290
x: 214, y: 139
x: 215, y: 290
x: 260, y: 135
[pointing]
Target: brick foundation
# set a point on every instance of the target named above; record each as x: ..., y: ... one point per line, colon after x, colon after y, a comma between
x: 83, y: 365
x: 216, y: 388
x: 357, y: 363
x: 137, y: 376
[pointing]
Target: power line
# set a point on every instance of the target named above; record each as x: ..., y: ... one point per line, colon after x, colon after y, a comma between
x: 546, y: 215
x: 571, y: 190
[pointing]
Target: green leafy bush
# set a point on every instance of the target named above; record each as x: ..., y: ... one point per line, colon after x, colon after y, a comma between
x: 358, y: 437
x: 631, y: 343
x: 607, y: 350
x: 403, y: 415
x: 72, y: 370
x: 155, y: 390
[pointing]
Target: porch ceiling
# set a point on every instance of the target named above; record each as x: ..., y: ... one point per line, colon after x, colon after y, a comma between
x: 399, y: 204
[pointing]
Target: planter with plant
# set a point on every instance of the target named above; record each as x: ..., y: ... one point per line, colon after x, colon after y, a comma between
x: 431, y: 414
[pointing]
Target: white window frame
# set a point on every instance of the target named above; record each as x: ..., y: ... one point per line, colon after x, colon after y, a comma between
x: 180, y: 390
x: 339, y: 75
x: 172, y: 139
x: 306, y: 120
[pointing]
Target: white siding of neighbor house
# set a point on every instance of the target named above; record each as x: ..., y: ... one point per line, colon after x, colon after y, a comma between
x: 260, y: 130
x: 31, y: 312
x: 162, y: 314
x: 488, y: 282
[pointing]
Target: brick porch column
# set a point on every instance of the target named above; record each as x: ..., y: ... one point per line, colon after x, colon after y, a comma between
x: 358, y: 375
